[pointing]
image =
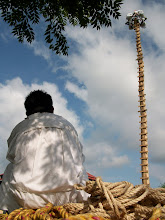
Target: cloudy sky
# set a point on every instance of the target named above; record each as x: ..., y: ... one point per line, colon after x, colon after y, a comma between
x: 96, y: 89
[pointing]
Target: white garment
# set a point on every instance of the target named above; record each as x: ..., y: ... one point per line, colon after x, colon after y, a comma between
x: 46, y: 161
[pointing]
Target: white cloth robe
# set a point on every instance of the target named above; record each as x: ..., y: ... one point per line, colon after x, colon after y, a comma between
x: 46, y: 160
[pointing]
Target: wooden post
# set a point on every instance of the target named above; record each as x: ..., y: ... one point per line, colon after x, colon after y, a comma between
x: 143, y: 113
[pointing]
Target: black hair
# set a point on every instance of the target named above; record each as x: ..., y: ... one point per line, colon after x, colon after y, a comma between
x: 38, y: 101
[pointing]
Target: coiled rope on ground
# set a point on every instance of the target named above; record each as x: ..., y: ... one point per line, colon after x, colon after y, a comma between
x: 121, y: 200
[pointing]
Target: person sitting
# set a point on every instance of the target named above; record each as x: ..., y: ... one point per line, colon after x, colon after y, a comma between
x: 46, y: 159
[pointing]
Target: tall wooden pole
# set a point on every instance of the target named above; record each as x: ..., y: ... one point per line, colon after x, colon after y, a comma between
x: 136, y: 20
x: 143, y: 113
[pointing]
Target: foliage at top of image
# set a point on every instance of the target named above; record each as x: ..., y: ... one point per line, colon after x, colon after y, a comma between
x: 21, y: 15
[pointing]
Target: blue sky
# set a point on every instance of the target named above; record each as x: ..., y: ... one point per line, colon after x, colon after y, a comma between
x: 96, y: 89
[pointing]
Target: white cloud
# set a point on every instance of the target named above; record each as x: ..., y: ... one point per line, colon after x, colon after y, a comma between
x: 102, y: 155
x: 40, y: 50
x: 115, y: 161
x: 108, y: 71
x: 155, y: 23
x: 80, y: 93
x: 157, y: 171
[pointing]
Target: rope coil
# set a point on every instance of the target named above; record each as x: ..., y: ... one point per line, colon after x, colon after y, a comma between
x: 114, y: 201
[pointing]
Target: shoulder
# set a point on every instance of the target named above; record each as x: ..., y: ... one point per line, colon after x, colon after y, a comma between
x: 57, y: 121
x: 65, y: 123
x: 41, y: 120
x: 19, y: 127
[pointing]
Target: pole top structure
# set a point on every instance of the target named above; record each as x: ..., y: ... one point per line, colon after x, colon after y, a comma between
x: 134, y: 18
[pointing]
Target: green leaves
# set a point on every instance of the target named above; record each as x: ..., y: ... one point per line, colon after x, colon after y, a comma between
x: 54, y: 31
x: 23, y: 15
x: 23, y: 31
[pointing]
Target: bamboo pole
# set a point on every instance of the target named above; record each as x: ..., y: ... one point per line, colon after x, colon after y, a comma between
x: 142, y: 106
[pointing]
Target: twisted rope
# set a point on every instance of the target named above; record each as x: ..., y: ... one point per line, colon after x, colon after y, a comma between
x: 114, y: 201
x: 122, y: 199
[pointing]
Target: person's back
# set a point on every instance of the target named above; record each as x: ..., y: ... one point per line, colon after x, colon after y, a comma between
x: 46, y: 159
